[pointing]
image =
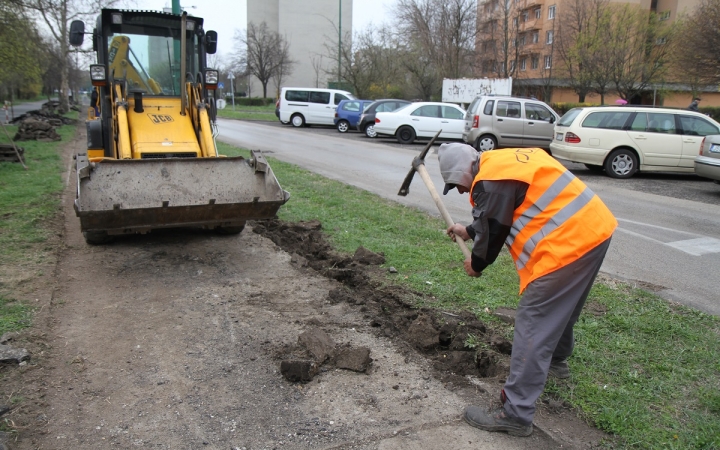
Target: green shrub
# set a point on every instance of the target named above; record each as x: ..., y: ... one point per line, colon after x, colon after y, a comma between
x: 712, y: 111
x: 254, y: 101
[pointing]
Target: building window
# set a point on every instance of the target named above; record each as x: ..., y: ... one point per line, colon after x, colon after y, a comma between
x: 523, y: 64
x: 665, y: 15
x: 522, y: 40
x: 525, y: 16
x: 536, y: 37
x: 512, y: 66
x: 551, y: 12
x: 549, y: 37
x: 537, y: 13
x: 534, y: 62
x: 548, y: 62
x: 515, y: 22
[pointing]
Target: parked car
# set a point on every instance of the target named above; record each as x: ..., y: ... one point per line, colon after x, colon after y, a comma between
x: 707, y: 163
x: 422, y: 119
x: 348, y: 113
x: 624, y: 139
x: 310, y: 106
x: 505, y: 121
x: 366, y: 122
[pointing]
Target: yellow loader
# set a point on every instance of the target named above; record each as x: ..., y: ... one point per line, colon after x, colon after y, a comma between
x: 151, y: 160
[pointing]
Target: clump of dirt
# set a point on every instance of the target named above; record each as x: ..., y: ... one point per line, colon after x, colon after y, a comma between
x: 458, y: 344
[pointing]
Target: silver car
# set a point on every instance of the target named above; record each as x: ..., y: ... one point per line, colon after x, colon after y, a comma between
x: 506, y: 122
x: 707, y: 163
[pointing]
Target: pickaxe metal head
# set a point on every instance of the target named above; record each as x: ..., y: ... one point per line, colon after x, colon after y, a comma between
x: 420, y: 159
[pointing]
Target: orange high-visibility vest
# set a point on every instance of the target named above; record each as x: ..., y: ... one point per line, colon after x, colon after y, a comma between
x: 560, y: 220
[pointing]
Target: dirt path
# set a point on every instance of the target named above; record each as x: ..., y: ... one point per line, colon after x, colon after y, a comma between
x: 175, y: 340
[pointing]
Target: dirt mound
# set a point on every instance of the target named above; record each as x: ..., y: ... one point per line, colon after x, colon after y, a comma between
x: 457, y: 343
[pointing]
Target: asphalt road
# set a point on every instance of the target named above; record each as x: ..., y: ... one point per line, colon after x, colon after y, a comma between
x: 669, y: 234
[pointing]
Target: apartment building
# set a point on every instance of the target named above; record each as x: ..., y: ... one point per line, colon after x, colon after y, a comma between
x: 312, y: 28
x: 518, y: 38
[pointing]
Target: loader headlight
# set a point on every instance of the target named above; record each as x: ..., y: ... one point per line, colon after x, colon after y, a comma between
x: 211, y: 78
x: 98, y: 75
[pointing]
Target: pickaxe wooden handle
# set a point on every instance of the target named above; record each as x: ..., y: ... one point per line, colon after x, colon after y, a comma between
x: 419, y: 167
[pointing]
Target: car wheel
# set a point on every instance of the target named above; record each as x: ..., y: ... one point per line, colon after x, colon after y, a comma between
x: 486, y: 142
x: 370, y: 131
x: 343, y: 126
x: 297, y: 120
x: 622, y: 163
x: 594, y: 167
x: 405, y: 135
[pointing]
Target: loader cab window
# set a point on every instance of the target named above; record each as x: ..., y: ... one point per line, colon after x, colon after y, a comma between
x: 147, y: 55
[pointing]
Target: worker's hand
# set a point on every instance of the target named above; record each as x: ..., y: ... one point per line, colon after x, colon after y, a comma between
x: 469, y: 270
x: 459, y: 231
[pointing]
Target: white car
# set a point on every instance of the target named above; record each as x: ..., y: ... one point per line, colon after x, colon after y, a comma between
x: 422, y: 120
x: 624, y: 139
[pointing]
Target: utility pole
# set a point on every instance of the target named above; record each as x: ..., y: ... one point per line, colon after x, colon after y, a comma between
x: 231, y: 77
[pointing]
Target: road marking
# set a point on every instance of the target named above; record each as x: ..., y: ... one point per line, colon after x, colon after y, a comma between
x: 697, y: 247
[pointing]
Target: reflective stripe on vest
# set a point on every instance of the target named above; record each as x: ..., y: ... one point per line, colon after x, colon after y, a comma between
x: 560, y: 219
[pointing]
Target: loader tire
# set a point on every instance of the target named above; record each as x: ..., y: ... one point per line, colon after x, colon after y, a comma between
x: 230, y: 230
x: 97, y: 237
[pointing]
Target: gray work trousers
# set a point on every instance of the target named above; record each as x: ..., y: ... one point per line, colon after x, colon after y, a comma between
x: 544, y: 322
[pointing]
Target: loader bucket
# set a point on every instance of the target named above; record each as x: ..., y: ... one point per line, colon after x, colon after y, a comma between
x: 137, y: 195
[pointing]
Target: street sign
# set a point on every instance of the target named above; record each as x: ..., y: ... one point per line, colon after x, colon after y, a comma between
x: 221, y: 86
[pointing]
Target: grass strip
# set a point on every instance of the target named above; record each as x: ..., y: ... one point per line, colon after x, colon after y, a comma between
x: 29, y: 199
x: 262, y: 113
x: 645, y: 370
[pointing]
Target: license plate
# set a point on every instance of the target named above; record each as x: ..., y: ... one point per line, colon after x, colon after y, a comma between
x: 715, y: 148
x: 558, y: 136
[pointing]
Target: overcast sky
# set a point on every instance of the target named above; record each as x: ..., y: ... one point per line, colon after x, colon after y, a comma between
x: 226, y: 16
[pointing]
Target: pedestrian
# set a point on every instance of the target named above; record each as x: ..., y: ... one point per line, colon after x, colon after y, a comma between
x: 694, y: 105
x: 557, y: 231
x: 94, y: 101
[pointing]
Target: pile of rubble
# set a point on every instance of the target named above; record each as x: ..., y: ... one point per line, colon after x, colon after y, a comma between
x: 40, y: 124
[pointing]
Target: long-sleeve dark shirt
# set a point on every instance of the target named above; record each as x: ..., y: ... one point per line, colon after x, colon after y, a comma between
x: 494, y: 205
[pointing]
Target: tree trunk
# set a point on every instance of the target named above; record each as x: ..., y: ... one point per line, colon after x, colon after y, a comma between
x: 64, y: 55
x: 581, y: 98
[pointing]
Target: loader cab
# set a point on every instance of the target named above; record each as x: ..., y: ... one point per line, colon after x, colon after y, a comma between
x: 141, y: 54
x: 144, y: 48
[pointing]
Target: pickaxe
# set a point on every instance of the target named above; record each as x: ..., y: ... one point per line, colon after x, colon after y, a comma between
x: 418, y: 165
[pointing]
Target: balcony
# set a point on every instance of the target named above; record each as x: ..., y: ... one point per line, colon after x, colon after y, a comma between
x: 531, y: 24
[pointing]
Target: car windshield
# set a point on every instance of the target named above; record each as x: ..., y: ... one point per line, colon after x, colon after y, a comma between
x: 567, y: 119
x: 146, y: 52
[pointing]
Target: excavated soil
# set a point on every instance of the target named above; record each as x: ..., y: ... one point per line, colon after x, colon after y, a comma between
x: 264, y: 340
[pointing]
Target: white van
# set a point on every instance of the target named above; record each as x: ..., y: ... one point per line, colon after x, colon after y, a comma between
x: 310, y: 106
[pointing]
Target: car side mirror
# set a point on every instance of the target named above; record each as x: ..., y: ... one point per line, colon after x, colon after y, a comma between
x: 77, y: 33
x: 211, y: 42
x: 552, y: 119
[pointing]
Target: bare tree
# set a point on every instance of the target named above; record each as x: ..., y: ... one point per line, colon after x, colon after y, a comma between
x: 264, y: 52
x: 639, y: 48
x: 498, y: 38
x: 580, y: 47
x: 441, y: 33
x: 22, y: 61
x: 57, y: 15
x: 698, y: 51
x: 317, y: 65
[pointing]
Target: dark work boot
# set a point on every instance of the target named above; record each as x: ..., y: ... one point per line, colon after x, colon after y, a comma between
x: 495, y: 420
x: 559, y: 369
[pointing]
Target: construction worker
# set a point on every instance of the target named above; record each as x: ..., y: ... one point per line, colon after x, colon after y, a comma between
x: 557, y: 231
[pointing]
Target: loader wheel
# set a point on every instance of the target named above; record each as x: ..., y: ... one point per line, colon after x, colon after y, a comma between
x: 230, y: 230
x: 97, y: 237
